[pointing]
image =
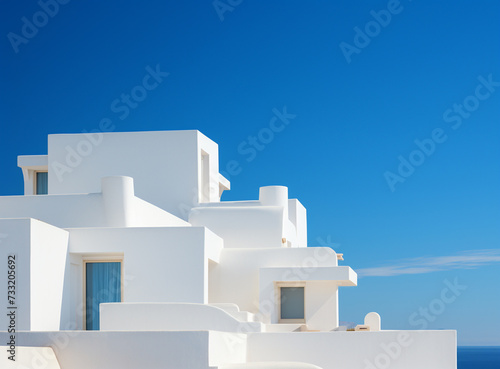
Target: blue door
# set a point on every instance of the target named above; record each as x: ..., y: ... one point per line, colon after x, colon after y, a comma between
x: 102, y: 284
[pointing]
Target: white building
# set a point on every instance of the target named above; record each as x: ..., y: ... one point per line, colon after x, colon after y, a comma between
x: 123, y: 256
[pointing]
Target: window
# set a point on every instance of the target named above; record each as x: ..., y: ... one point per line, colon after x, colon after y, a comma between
x: 103, y: 283
x: 42, y: 183
x: 292, y: 303
x: 205, y: 178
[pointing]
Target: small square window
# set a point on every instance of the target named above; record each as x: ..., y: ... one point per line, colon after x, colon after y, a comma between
x: 292, y: 306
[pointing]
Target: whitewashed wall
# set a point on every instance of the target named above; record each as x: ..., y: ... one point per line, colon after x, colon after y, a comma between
x: 236, y: 279
x: 265, y: 223
x: 243, y: 227
x: 133, y: 350
x: 321, y: 294
x: 298, y: 216
x: 159, y: 264
x: 358, y: 350
x: 202, y: 350
x: 156, y: 316
x: 86, y: 210
x: 41, y: 252
x: 165, y: 165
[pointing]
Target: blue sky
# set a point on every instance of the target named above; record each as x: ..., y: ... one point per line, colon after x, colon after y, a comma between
x: 391, y: 135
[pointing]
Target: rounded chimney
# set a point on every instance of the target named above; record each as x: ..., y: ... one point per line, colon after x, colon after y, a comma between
x: 274, y: 196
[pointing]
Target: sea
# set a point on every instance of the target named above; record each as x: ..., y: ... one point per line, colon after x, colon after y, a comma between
x: 476, y: 357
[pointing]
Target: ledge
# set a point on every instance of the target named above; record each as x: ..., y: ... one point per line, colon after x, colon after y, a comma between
x: 36, y: 162
x: 342, y: 275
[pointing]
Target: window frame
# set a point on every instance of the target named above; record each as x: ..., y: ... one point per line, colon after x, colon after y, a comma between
x: 278, y: 287
x: 35, y: 182
x: 205, y: 190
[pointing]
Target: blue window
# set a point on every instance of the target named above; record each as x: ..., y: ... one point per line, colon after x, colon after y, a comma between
x: 42, y: 183
x: 292, y: 302
x: 102, y: 284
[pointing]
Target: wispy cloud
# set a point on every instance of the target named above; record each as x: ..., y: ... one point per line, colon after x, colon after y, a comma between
x: 464, y: 260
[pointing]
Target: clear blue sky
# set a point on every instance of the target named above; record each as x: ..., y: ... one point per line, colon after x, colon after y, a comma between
x: 357, y: 116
